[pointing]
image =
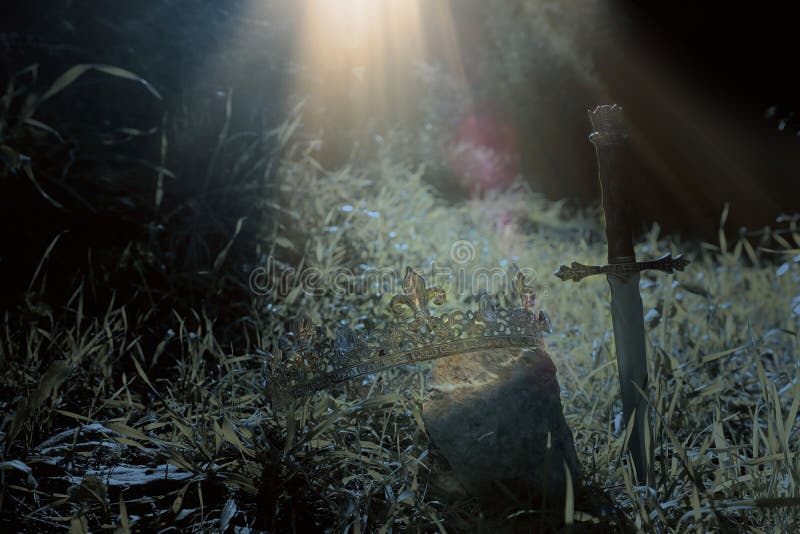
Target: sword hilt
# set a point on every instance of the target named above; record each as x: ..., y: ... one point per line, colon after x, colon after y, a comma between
x: 624, y: 271
x: 609, y: 137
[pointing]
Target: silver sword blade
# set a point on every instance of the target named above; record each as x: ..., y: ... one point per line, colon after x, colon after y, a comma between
x: 629, y: 338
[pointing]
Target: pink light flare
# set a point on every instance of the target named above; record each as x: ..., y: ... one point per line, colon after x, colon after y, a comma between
x: 484, y: 155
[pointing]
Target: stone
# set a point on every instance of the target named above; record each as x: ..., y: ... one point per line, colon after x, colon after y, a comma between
x: 497, y: 419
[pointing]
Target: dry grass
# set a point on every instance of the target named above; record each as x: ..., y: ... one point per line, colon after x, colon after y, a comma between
x: 106, y: 431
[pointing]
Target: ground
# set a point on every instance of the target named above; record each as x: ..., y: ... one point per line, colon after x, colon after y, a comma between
x: 106, y: 431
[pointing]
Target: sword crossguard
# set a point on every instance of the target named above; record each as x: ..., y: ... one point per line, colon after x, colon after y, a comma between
x: 624, y: 271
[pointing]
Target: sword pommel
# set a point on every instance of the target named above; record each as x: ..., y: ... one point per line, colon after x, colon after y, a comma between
x: 607, y: 126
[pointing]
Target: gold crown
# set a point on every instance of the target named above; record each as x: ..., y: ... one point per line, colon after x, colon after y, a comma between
x: 307, y: 360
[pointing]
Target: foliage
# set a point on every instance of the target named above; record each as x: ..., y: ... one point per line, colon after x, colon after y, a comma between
x: 95, y: 412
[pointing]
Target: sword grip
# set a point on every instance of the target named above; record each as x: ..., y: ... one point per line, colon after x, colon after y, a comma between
x: 609, y: 138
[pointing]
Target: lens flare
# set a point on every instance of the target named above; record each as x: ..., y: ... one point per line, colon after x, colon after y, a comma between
x: 358, y: 59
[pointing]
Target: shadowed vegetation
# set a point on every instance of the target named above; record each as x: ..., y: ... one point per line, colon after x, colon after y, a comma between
x: 103, y: 429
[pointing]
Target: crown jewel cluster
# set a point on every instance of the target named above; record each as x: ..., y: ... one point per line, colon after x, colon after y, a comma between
x: 308, y: 360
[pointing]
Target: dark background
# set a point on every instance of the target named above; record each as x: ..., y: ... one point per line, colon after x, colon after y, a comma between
x: 735, y: 139
x: 742, y: 52
x: 711, y: 94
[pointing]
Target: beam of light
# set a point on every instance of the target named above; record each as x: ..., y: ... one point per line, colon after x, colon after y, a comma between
x: 702, y: 153
x: 358, y: 59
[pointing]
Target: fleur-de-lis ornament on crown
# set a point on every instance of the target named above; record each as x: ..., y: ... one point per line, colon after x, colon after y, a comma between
x: 307, y: 360
x: 416, y: 297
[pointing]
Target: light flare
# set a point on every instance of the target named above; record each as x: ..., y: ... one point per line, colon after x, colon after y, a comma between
x: 358, y: 59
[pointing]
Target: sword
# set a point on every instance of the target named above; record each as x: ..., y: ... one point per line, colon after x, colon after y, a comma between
x: 609, y: 137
